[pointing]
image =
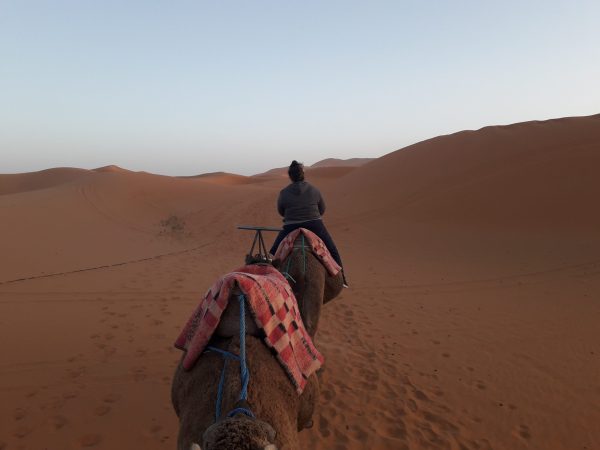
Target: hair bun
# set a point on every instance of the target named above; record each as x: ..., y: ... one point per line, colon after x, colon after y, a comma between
x: 296, y: 171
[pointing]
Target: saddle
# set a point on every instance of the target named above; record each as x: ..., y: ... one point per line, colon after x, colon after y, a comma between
x: 313, y: 243
x: 272, y: 308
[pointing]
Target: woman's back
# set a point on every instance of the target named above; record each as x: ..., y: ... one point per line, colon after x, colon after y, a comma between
x: 299, y: 202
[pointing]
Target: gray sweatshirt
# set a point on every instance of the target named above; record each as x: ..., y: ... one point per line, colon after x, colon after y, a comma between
x: 300, y: 202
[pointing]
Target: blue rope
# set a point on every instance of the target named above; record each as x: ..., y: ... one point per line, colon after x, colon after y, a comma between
x: 224, y: 353
x: 287, y: 270
x: 226, y: 357
x: 244, y: 373
x: 220, y: 391
x: 246, y: 411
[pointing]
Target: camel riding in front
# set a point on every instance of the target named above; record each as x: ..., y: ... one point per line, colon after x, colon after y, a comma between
x: 247, y: 378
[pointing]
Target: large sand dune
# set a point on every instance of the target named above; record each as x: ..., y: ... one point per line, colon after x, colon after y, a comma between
x: 533, y: 173
x: 471, y: 322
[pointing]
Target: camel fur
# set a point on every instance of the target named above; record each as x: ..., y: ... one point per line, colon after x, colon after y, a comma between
x: 280, y: 412
x: 313, y: 287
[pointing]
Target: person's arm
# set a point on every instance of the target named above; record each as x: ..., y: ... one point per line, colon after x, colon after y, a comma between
x: 321, y: 204
x: 280, y: 207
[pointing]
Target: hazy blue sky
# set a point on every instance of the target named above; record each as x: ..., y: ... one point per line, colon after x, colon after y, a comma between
x: 180, y: 88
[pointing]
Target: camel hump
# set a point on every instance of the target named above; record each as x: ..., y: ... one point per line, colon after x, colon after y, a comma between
x: 229, y: 323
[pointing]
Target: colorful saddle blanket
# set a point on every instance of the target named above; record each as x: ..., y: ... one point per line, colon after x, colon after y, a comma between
x: 314, y: 243
x: 274, y: 309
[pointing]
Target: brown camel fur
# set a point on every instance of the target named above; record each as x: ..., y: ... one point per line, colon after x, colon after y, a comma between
x: 279, y: 410
x: 312, y: 287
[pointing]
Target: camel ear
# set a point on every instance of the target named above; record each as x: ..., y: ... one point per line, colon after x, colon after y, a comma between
x: 270, y: 447
x: 195, y: 446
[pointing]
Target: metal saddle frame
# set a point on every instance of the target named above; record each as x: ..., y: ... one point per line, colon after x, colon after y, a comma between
x: 258, y: 243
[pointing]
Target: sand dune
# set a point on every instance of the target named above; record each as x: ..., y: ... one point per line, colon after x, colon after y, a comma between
x: 111, y: 168
x: 109, y: 217
x: 329, y: 162
x: 336, y: 162
x: 528, y: 174
x: 223, y: 178
x: 471, y: 322
x: 21, y: 182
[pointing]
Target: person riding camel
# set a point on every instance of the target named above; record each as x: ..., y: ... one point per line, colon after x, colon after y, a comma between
x: 301, y: 205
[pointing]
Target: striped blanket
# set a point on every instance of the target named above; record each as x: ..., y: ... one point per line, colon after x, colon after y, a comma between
x: 272, y: 305
x: 314, y: 243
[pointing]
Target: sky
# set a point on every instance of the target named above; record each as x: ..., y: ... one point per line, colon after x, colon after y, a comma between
x: 189, y: 87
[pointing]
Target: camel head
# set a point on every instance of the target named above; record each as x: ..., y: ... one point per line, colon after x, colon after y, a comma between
x: 238, y: 433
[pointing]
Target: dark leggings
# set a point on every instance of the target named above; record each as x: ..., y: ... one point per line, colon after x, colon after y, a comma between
x: 317, y: 227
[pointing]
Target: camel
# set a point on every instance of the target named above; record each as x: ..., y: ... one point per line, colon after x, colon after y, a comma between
x: 280, y: 412
x: 313, y: 286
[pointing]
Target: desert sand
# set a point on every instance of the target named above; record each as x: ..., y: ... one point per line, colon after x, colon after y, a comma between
x: 471, y: 321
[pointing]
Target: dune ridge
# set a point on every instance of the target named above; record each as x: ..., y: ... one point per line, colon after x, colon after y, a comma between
x: 32, y: 181
x: 533, y: 173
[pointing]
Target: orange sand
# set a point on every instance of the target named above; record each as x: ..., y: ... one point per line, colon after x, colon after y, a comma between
x: 471, y: 322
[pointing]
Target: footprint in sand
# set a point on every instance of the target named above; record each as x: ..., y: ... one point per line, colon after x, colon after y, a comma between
x: 58, y: 421
x: 31, y: 393
x: 75, y: 358
x: 111, y: 398
x: 22, y: 431
x: 76, y: 373
x: 19, y: 413
x: 139, y: 373
x: 70, y: 394
x: 421, y: 396
x: 412, y: 405
x: 89, y: 440
x: 395, y: 430
x: 523, y: 431
x: 102, y: 410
